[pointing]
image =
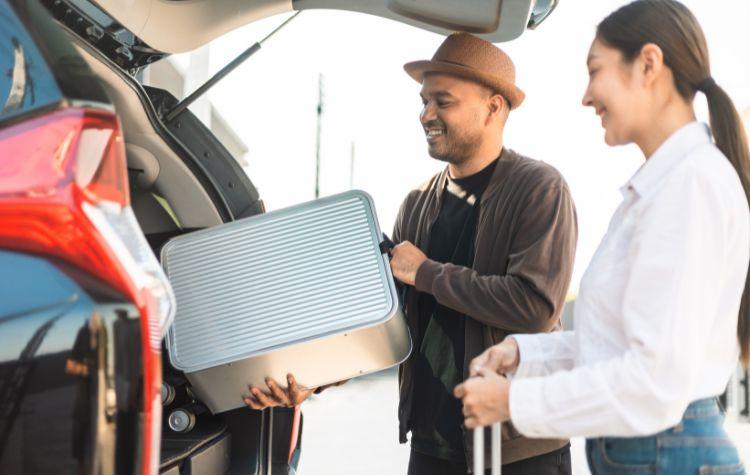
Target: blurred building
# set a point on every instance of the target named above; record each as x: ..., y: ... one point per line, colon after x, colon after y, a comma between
x: 183, y: 74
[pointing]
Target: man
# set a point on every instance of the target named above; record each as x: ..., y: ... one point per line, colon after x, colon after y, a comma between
x: 486, y: 249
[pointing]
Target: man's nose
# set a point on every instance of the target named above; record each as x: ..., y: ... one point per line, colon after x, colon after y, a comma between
x: 428, y: 113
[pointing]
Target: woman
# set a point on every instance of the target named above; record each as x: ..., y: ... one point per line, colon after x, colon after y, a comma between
x: 657, y: 327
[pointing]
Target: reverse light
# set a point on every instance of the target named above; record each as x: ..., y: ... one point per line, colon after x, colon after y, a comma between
x: 64, y: 193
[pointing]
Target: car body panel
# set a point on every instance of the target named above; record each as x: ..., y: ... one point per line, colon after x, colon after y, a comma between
x: 69, y: 371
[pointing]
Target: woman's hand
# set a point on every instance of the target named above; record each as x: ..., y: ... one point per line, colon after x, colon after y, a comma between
x: 502, y: 358
x: 485, y: 399
x: 292, y: 396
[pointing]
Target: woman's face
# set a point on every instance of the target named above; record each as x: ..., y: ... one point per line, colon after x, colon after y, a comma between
x: 615, y: 94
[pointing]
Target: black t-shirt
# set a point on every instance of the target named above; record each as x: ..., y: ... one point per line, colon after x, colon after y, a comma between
x: 436, y: 414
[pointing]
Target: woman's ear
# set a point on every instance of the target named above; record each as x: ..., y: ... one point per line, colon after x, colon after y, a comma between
x: 651, y: 59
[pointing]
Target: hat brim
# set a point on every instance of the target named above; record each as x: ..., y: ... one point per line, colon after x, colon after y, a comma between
x: 417, y: 70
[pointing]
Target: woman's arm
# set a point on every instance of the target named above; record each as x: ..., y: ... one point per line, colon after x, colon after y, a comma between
x: 678, y: 261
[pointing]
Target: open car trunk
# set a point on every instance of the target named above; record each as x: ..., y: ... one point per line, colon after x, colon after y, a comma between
x: 174, y: 26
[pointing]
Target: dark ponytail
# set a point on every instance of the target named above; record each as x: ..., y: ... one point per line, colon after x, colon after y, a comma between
x: 731, y: 139
x: 671, y: 26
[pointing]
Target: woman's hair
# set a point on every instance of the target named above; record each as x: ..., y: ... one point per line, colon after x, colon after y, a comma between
x: 673, y: 28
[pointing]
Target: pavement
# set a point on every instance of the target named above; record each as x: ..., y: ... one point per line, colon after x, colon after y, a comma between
x: 352, y: 429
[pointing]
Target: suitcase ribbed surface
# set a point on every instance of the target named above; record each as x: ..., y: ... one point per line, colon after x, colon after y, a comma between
x: 275, y: 279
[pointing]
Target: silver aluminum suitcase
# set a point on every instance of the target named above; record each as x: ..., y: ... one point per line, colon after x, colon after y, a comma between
x: 303, y: 290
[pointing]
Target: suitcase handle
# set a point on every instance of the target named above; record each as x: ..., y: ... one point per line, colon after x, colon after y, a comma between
x: 479, y: 450
x: 386, y: 245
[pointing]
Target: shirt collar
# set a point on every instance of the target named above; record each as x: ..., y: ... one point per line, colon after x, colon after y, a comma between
x: 663, y: 159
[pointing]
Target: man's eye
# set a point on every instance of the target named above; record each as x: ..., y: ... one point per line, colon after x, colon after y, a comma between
x: 443, y: 104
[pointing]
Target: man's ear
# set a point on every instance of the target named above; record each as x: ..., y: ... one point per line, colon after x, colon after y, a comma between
x: 651, y: 63
x: 498, y: 107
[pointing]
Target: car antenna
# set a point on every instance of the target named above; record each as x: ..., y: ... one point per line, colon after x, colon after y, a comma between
x: 182, y: 105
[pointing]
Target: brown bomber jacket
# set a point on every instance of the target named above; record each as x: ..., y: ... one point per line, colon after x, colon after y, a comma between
x: 524, y: 251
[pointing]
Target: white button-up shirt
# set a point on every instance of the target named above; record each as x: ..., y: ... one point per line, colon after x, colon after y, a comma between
x: 656, y: 315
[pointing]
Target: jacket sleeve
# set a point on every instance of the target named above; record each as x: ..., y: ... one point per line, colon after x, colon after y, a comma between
x: 530, y: 296
x: 398, y: 234
x: 398, y: 224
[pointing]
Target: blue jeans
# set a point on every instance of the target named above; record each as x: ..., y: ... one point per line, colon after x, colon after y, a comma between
x: 697, y: 445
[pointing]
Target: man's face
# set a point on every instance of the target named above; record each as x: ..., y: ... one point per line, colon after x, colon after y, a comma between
x: 454, y: 116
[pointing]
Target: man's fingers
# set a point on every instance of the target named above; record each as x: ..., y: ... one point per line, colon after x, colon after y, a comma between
x: 296, y: 394
x: 278, y: 393
x: 262, y: 398
x: 252, y: 403
x: 401, y: 245
x: 294, y: 391
x: 304, y: 395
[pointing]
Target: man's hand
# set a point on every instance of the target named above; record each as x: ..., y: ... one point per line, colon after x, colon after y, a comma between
x: 485, y: 399
x: 405, y: 260
x: 502, y: 358
x: 292, y: 396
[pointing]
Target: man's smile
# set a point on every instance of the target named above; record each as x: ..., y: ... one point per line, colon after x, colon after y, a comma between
x: 433, y: 133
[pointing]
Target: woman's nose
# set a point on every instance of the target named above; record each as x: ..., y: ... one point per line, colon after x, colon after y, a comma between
x: 587, y: 101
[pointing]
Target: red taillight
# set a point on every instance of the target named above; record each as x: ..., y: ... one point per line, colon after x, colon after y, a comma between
x: 50, y: 165
x: 64, y: 193
x: 110, y: 179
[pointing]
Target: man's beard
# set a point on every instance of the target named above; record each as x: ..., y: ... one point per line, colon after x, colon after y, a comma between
x: 456, y: 149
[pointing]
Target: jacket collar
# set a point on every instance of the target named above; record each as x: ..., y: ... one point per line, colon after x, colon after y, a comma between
x: 656, y: 168
x: 492, y: 186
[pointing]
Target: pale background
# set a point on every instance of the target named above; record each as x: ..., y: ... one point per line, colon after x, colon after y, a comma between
x: 270, y: 103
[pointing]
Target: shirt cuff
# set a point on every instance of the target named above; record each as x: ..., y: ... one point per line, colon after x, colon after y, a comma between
x: 526, y: 403
x: 531, y: 355
x: 426, y: 273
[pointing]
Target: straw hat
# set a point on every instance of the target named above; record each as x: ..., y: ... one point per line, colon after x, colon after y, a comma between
x: 469, y: 57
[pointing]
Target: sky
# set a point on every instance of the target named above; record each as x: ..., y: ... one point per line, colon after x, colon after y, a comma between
x: 370, y: 104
